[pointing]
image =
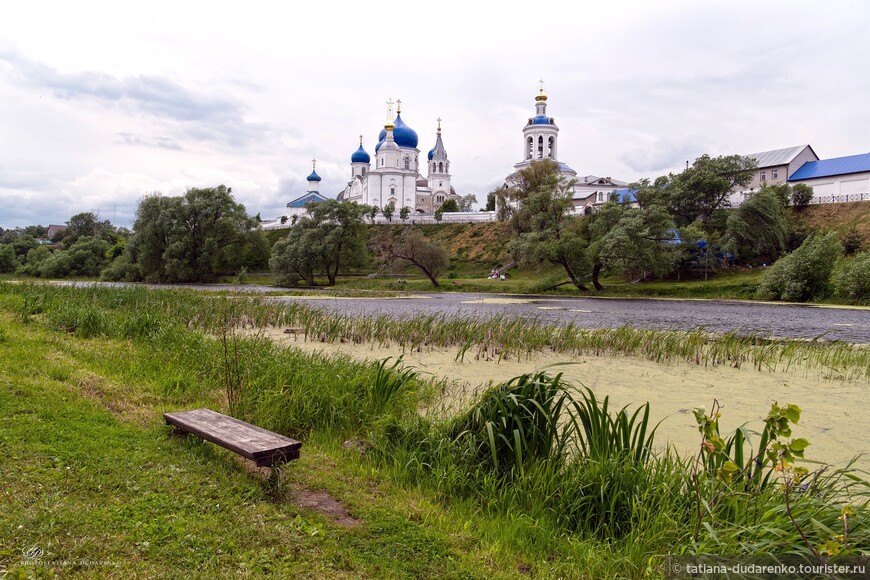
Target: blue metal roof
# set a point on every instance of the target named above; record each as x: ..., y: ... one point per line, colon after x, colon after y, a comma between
x: 542, y: 120
x: 310, y: 196
x: 626, y: 195
x: 313, y: 176
x: 829, y: 167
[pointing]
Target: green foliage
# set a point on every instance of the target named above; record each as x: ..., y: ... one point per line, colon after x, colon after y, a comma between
x: 629, y: 240
x: 805, y: 273
x: 33, y: 261
x: 515, y: 423
x: 758, y: 227
x: 544, y: 231
x: 389, y: 211
x: 801, y: 195
x: 851, y: 278
x: 88, y: 224
x: 193, y: 237
x: 404, y: 212
x: 449, y: 205
x: 330, y: 238
x: 466, y: 202
x: 8, y: 260
x: 699, y: 191
x: 853, y: 241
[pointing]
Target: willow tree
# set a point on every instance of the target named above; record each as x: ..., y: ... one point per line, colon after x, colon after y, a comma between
x: 544, y: 227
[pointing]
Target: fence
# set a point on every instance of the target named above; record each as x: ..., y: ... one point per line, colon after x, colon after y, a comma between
x: 842, y: 198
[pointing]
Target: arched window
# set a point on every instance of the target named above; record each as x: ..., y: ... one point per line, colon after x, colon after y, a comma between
x: 407, y: 162
x: 363, y: 170
x: 552, y: 145
x: 541, y: 147
x: 440, y: 168
x: 529, y: 148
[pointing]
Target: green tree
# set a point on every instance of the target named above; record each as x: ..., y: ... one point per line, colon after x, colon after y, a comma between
x: 627, y: 240
x: 8, y: 260
x: 88, y: 224
x: 759, y: 227
x: 801, y: 196
x: 404, y: 213
x: 330, y: 238
x: 851, y: 277
x: 543, y: 228
x: 700, y: 191
x: 439, y: 215
x: 373, y: 213
x: 388, y: 211
x: 413, y: 249
x: 805, y: 273
x: 466, y: 202
x: 490, y: 199
x: 853, y: 241
x: 449, y: 206
x: 193, y: 237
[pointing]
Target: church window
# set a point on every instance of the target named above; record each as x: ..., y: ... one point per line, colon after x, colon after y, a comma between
x: 440, y: 184
x: 540, y: 147
x: 529, y: 148
x: 363, y: 170
x: 440, y: 168
x: 552, y: 145
x: 407, y: 162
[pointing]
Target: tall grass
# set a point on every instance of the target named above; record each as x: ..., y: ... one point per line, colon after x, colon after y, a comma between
x: 551, y: 459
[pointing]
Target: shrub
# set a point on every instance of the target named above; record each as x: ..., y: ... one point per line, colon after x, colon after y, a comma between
x: 852, y: 277
x: 805, y: 273
x: 8, y: 261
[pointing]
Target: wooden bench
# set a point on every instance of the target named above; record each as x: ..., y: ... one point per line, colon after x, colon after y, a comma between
x: 263, y: 447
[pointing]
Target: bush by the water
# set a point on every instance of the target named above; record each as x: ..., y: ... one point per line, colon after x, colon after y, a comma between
x: 852, y: 277
x: 805, y: 273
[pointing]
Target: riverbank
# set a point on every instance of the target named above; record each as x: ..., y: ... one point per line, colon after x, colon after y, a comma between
x: 836, y: 426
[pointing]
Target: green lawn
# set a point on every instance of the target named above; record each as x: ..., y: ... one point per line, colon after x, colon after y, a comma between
x: 92, y: 479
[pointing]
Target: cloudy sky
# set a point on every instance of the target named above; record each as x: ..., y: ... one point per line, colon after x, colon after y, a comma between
x: 102, y: 102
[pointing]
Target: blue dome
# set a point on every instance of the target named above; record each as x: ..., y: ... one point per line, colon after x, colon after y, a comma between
x: 431, y: 154
x: 313, y: 176
x: 541, y: 120
x: 360, y: 156
x: 403, y: 135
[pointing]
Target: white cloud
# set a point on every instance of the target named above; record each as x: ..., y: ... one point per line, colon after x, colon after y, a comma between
x: 103, y: 102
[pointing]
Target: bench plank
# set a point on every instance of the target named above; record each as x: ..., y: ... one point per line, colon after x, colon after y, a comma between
x: 263, y: 447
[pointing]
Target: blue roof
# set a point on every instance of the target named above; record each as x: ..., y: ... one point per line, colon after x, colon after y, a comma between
x: 626, y: 195
x: 564, y: 168
x: 360, y: 156
x: 313, y: 176
x: 403, y: 135
x: 541, y: 120
x: 828, y: 167
x: 431, y: 154
x: 310, y: 196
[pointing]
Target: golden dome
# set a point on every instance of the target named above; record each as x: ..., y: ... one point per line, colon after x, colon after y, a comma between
x: 541, y: 96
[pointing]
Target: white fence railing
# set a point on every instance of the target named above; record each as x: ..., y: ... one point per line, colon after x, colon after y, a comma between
x: 842, y: 198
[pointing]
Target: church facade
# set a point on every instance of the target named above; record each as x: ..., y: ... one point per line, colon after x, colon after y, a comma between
x: 396, y: 176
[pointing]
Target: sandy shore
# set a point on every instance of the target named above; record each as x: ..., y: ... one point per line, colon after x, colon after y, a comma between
x: 834, y: 419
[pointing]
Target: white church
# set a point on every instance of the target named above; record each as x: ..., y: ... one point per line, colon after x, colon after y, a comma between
x: 396, y: 177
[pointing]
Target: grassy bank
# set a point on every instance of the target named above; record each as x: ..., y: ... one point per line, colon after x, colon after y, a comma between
x: 502, y: 489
